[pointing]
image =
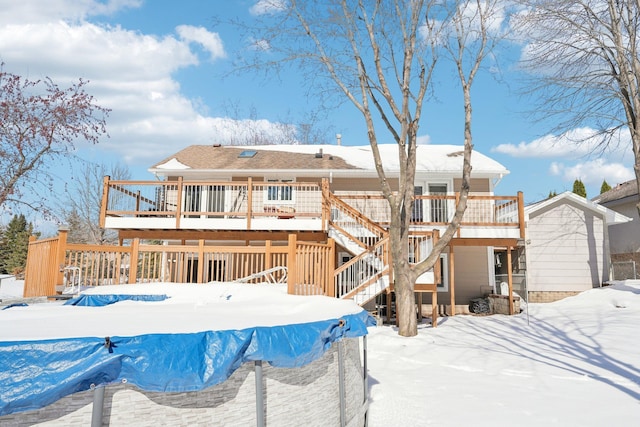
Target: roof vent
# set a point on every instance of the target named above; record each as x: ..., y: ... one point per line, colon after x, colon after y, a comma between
x: 247, y: 154
x: 319, y: 154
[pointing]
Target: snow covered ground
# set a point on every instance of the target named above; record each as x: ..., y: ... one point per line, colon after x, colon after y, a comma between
x: 10, y: 288
x: 575, y: 362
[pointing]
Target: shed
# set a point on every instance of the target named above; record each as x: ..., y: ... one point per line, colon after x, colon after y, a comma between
x: 567, y: 246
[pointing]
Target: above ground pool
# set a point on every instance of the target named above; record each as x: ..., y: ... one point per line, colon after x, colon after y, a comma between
x: 181, y: 354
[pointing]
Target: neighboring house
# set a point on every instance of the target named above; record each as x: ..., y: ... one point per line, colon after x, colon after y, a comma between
x: 567, y: 246
x: 257, y: 195
x: 623, y: 198
x: 625, y: 237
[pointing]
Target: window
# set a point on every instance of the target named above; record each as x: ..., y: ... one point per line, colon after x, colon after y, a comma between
x: 438, y: 206
x: 280, y: 193
x: 417, y: 214
x: 192, y: 197
x: 247, y: 154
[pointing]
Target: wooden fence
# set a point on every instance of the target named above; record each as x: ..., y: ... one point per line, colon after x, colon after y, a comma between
x: 310, y: 265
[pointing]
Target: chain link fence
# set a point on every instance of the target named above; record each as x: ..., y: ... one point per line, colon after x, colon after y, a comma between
x: 623, y: 270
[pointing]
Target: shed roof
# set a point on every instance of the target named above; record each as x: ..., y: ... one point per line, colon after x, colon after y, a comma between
x: 610, y: 216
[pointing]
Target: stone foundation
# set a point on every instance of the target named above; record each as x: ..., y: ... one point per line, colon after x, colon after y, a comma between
x: 445, y: 310
x: 550, y: 296
x: 305, y: 396
x: 499, y: 304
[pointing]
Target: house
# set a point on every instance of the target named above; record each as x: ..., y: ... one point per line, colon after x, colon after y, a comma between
x: 235, y: 197
x: 624, y: 238
x: 567, y: 246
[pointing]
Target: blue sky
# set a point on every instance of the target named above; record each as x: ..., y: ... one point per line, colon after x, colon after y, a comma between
x: 159, y: 65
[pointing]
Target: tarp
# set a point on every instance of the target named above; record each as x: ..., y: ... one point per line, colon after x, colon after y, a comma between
x: 35, y: 374
x: 88, y: 300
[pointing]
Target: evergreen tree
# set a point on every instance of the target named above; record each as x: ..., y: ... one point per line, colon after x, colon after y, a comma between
x: 579, y: 189
x: 552, y: 194
x: 14, y: 244
x: 605, y: 187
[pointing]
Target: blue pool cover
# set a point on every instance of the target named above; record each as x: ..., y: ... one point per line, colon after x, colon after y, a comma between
x: 34, y: 374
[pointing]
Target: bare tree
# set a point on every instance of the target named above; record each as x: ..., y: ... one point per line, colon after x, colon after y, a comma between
x: 381, y: 57
x: 584, y: 59
x: 81, y: 203
x: 241, y: 127
x: 40, y: 122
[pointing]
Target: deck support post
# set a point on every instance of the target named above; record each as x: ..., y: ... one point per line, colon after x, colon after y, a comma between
x: 259, y: 395
x: 510, y: 280
x: 452, y: 281
x: 292, y: 268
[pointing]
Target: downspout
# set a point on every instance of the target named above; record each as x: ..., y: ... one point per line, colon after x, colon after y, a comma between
x: 606, y: 252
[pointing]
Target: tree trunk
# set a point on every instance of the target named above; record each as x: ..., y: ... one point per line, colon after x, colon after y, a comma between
x: 403, y: 276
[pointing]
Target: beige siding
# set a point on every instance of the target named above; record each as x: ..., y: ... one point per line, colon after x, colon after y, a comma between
x: 565, y: 250
x: 360, y: 184
x: 477, y: 185
x: 471, y: 274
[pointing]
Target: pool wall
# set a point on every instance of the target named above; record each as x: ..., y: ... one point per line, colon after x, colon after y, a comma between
x: 307, y: 395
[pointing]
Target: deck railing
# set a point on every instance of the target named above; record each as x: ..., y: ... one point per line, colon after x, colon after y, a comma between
x: 361, y: 275
x: 310, y: 265
x: 250, y: 200
x: 42, y: 272
x: 210, y: 199
x: 482, y: 210
x: 352, y: 223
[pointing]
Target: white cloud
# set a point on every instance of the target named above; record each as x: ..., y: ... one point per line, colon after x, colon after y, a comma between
x: 34, y: 12
x: 114, y: 55
x: 129, y: 72
x: 261, y: 45
x: 209, y: 41
x: 592, y: 172
x: 424, y: 140
x: 574, y: 144
x: 493, y: 13
x: 268, y: 7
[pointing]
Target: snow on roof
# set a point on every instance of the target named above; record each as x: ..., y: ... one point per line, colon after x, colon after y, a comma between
x: 431, y: 158
x: 337, y: 158
x: 173, y: 164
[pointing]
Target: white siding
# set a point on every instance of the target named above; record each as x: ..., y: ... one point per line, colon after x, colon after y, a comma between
x: 565, y: 249
x: 625, y: 237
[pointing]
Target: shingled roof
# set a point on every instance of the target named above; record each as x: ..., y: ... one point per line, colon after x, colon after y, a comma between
x: 225, y: 157
x: 620, y: 191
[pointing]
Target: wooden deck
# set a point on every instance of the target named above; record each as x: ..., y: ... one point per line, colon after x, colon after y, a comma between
x: 293, y: 206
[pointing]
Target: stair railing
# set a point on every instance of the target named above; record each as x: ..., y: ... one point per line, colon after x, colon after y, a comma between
x: 358, y: 274
x: 353, y: 224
